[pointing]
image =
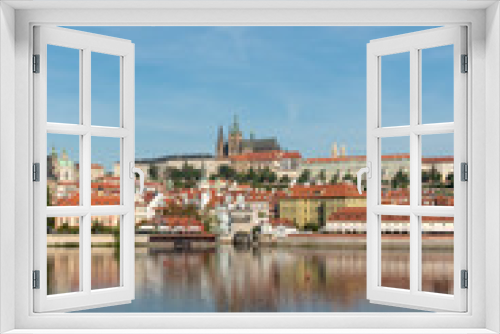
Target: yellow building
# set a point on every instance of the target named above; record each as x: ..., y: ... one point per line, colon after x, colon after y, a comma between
x: 314, y: 204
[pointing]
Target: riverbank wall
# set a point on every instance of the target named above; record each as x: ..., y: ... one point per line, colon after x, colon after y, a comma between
x: 109, y: 240
x: 351, y: 241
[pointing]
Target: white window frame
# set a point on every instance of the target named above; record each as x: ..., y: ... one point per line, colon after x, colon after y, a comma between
x: 413, y: 43
x: 483, y: 100
x: 85, y: 43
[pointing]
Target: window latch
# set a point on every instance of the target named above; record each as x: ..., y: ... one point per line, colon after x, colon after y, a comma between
x: 133, y: 170
x: 368, y: 171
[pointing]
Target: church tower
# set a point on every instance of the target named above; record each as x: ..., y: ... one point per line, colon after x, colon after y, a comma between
x: 234, y: 138
x: 220, y: 143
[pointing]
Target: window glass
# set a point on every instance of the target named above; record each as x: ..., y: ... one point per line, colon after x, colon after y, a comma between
x: 437, y: 254
x: 63, y: 170
x: 437, y: 84
x: 395, y: 89
x: 395, y: 252
x: 105, y: 90
x: 63, y: 255
x: 105, y: 171
x: 437, y: 170
x: 395, y: 171
x: 106, y: 249
x: 63, y: 85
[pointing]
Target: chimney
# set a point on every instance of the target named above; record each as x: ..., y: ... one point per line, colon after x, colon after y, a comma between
x: 343, y: 151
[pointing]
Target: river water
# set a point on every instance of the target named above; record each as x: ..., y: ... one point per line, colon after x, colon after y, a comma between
x: 229, y: 279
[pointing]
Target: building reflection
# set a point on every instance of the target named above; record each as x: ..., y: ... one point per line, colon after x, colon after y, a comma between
x: 250, y: 279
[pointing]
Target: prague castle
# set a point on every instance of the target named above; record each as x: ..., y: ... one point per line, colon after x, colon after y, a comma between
x: 235, y: 144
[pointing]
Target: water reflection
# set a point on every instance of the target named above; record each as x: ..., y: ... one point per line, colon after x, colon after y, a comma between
x: 229, y: 279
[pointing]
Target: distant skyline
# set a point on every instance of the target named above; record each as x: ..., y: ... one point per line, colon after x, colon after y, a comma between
x: 304, y: 85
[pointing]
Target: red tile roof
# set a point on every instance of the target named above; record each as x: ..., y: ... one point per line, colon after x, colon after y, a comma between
x: 281, y: 222
x: 266, y: 156
x: 445, y: 159
x: 389, y: 157
x: 74, y: 199
x: 321, y: 191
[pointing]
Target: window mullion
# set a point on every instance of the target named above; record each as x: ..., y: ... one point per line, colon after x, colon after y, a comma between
x: 414, y: 169
x: 85, y: 178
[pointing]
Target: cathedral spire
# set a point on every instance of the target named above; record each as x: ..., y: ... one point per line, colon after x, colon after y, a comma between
x: 220, y: 143
x: 236, y: 125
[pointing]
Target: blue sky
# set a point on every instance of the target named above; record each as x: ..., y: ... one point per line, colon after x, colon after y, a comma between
x: 304, y: 85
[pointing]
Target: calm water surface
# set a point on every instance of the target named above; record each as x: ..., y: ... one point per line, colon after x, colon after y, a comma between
x: 229, y: 279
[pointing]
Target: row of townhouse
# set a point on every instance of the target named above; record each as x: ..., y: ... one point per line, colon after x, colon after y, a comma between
x: 390, y: 165
x: 353, y: 221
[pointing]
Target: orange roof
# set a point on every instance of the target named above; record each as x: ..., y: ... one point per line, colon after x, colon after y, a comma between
x: 281, y: 222
x: 349, y: 213
x: 266, y: 156
x: 345, y: 158
x: 105, y: 185
x: 328, y: 190
x: 389, y: 157
x: 74, y: 199
x: 178, y: 221
x: 105, y: 200
x: 444, y: 159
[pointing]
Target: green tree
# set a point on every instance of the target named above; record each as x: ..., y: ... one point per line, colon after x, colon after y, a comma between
x: 348, y: 177
x: 334, y: 179
x: 266, y: 175
x: 207, y: 226
x: 49, y: 197
x: 322, y: 176
x: 285, y: 179
x: 251, y: 176
x: 227, y: 172
x: 304, y: 177
x: 154, y: 172
x: 432, y: 177
x: 51, y: 221
x: 311, y: 227
x: 450, y: 180
x: 400, y: 180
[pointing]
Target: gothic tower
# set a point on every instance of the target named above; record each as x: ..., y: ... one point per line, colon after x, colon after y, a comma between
x: 220, y: 143
x: 234, y: 138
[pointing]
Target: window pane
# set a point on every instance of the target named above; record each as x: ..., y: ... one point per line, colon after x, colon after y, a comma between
x: 395, y: 89
x: 437, y: 254
x: 63, y: 255
x: 63, y: 170
x: 105, y: 90
x: 105, y: 252
x: 63, y: 85
x: 105, y: 171
x: 437, y: 84
x: 395, y: 252
x: 437, y: 170
x: 395, y: 171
